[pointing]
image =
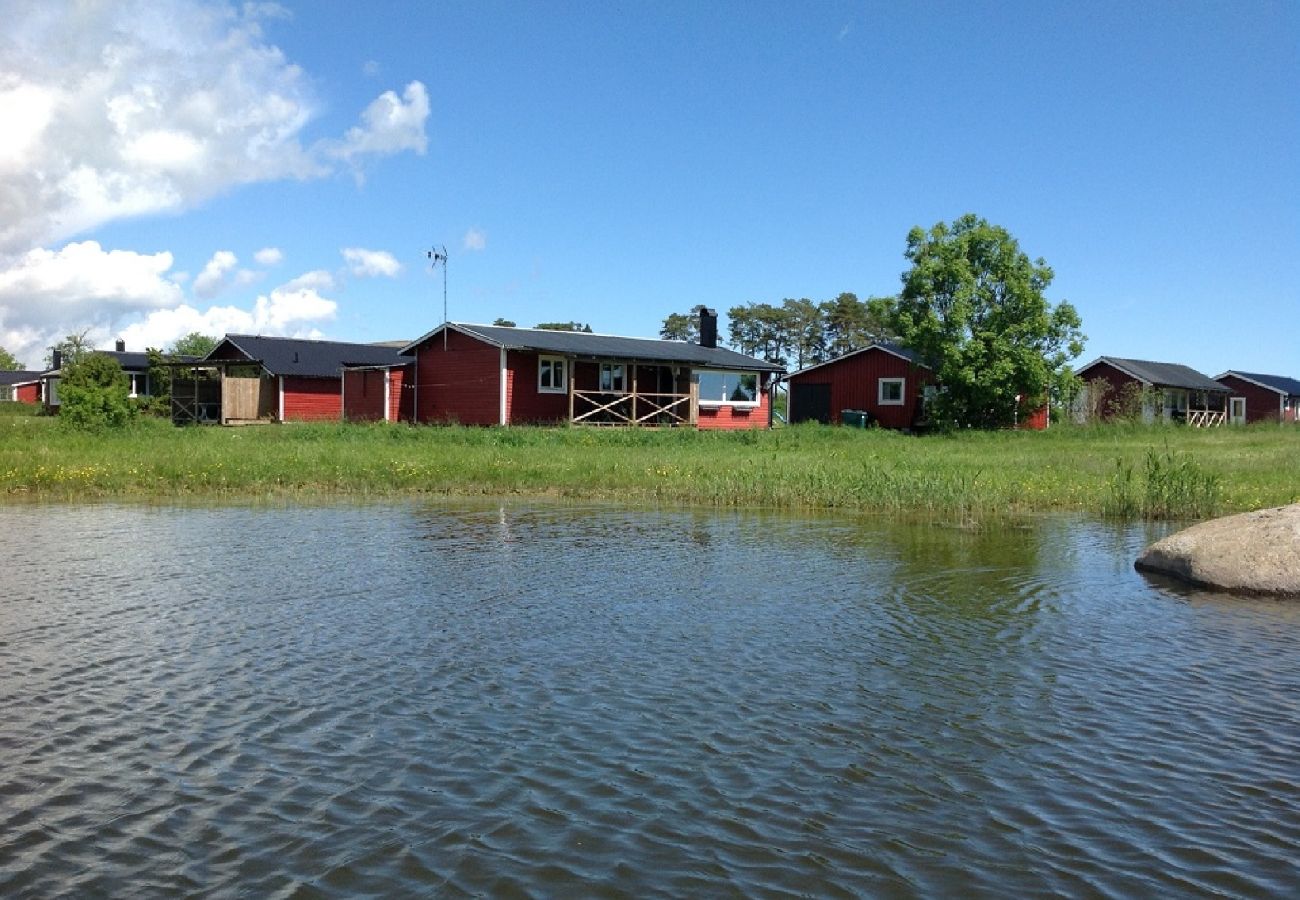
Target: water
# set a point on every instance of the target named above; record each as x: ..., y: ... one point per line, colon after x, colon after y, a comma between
x: 592, y: 701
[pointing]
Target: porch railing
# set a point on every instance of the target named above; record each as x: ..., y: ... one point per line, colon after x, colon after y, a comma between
x: 605, y: 408
x: 1205, y: 418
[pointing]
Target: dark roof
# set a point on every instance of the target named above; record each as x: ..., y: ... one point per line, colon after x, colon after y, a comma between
x: 129, y: 360
x: 1159, y: 373
x: 1279, y: 383
x: 18, y: 376
x: 308, y: 359
x: 887, y: 346
x: 604, y: 346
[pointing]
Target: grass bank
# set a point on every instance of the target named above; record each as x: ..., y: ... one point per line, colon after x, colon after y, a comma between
x: 1118, y: 471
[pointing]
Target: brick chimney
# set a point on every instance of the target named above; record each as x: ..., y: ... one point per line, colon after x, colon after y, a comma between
x: 121, y: 345
x: 708, y: 327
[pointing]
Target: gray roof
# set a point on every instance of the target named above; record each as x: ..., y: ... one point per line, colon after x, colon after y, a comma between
x: 19, y: 376
x: 604, y: 346
x: 307, y: 359
x: 1279, y: 383
x: 888, y: 346
x: 1160, y: 374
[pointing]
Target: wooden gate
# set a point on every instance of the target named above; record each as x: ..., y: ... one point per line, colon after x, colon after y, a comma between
x: 247, y: 399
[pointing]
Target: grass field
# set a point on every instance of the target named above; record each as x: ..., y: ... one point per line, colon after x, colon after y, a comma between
x: 1118, y: 471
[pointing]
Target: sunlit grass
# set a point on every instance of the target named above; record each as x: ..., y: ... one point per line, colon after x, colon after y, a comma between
x: 964, y: 476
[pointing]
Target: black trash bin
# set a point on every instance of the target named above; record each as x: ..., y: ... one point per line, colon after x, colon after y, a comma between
x: 856, y: 418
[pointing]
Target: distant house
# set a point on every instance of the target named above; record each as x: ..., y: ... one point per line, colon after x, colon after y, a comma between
x: 1261, y: 398
x: 494, y: 375
x: 20, y: 386
x: 288, y: 379
x: 885, y: 380
x: 1165, y: 391
x: 135, y: 365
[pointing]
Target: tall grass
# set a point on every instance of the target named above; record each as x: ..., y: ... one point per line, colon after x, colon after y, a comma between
x: 957, y: 477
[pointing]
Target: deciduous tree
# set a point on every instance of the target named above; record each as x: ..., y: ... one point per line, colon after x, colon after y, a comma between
x: 973, y: 305
x: 8, y: 363
x: 194, y: 344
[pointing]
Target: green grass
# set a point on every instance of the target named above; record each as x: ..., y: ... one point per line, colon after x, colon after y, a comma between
x: 1118, y: 471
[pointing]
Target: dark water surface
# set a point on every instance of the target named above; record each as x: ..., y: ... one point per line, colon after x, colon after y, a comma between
x: 588, y: 701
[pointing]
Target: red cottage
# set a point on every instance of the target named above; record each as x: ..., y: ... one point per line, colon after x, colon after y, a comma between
x: 1261, y: 398
x: 20, y: 386
x: 1167, y: 391
x: 885, y: 380
x: 493, y: 375
x: 288, y: 379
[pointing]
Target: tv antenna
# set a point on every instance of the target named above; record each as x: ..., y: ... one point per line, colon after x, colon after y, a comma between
x: 439, y: 255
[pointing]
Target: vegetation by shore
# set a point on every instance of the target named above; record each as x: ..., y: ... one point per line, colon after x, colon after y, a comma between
x: 1119, y: 471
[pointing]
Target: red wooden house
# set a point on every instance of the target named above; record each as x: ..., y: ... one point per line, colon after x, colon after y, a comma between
x: 20, y: 386
x: 493, y: 375
x: 885, y: 380
x: 288, y: 379
x: 1168, y: 391
x: 1261, y: 398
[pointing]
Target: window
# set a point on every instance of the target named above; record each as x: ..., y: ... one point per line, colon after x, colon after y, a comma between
x: 729, y: 388
x: 551, y: 375
x: 611, y: 377
x: 890, y: 391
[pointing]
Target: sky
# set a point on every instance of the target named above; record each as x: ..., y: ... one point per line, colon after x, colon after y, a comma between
x: 169, y: 166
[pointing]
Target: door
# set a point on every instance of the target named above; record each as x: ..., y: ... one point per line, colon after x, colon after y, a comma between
x: 810, y: 403
x: 1237, y: 410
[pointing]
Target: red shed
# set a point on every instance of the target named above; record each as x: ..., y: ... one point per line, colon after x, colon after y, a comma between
x: 288, y: 379
x: 1261, y: 398
x: 21, y: 386
x: 885, y: 380
x: 493, y: 375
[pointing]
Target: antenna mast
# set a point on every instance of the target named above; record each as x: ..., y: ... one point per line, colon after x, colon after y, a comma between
x: 439, y: 255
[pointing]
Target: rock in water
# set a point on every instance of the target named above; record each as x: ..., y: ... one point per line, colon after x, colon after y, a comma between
x: 1250, y: 553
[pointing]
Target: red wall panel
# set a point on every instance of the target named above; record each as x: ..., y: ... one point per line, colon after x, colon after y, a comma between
x: 855, y: 381
x: 28, y: 393
x: 458, y: 382
x: 312, y: 399
x: 363, y: 395
x: 1262, y: 405
x: 525, y: 403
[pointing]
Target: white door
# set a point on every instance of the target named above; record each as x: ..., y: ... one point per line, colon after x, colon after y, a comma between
x: 1237, y: 410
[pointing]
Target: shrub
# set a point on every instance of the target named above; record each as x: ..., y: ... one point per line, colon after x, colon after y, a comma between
x: 94, y: 393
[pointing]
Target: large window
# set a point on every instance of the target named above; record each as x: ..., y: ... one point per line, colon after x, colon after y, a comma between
x: 612, y: 379
x: 729, y: 388
x: 551, y: 375
x: 890, y: 391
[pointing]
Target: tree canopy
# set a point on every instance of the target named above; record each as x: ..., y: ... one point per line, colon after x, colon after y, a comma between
x: 564, y: 326
x: 8, y: 362
x: 72, y: 348
x: 681, y: 327
x: 973, y: 305
x: 194, y: 344
x: 503, y: 323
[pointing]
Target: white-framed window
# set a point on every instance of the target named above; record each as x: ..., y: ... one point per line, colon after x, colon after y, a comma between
x: 552, y: 375
x: 613, y: 378
x: 891, y: 391
x: 729, y: 388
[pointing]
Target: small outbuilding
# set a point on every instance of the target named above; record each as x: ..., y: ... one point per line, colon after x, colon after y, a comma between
x: 1157, y: 391
x: 20, y: 386
x: 886, y: 381
x: 1261, y: 398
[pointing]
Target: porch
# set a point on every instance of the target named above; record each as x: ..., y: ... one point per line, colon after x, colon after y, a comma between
x: 630, y: 393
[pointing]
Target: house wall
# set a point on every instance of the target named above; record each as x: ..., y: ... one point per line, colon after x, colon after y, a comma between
x: 1034, y: 420
x: 312, y: 399
x: 854, y: 383
x: 1114, y: 379
x: 736, y: 418
x: 459, y: 382
x: 399, y: 394
x: 27, y: 393
x: 1262, y: 405
x: 363, y: 395
x: 524, y: 402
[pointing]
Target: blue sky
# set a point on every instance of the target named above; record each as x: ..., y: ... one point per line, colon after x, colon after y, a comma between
x: 614, y: 162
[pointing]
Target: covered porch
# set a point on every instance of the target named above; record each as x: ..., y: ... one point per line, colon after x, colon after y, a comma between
x: 631, y: 392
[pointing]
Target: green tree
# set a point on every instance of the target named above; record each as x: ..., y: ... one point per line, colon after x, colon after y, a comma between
x: 503, y: 323
x: 72, y: 348
x: 681, y: 327
x: 973, y: 305
x: 564, y: 326
x: 8, y: 363
x: 759, y: 329
x: 194, y: 344
x: 93, y: 393
x: 805, y: 331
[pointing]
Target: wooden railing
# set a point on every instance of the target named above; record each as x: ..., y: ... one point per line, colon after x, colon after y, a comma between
x: 606, y: 408
x: 1205, y: 418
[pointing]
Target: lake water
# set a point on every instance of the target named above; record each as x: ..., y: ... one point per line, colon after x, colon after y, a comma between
x: 592, y: 701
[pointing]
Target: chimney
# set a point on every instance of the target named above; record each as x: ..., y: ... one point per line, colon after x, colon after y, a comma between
x: 121, y: 345
x: 56, y: 360
x: 708, y: 327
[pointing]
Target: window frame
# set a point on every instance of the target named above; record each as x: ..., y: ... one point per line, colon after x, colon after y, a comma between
x: 610, y: 367
x: 902, y: 391
x: 550, y: 363
x: 742, y: 404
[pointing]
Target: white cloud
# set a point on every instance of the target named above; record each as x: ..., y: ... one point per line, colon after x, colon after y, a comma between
x: 132, y: 107
x: 269, y: 256
x: 475, y: 239
x: 214, y: 277
x: 389, y: 125
x: 368, y: 263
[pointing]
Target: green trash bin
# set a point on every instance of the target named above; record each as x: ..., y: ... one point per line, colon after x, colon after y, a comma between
x: 855, y: 418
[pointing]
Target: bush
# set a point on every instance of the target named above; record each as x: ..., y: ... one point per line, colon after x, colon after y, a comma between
x: 94, y: 394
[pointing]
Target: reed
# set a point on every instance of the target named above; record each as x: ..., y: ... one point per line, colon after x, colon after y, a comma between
x: 1120, y: 471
